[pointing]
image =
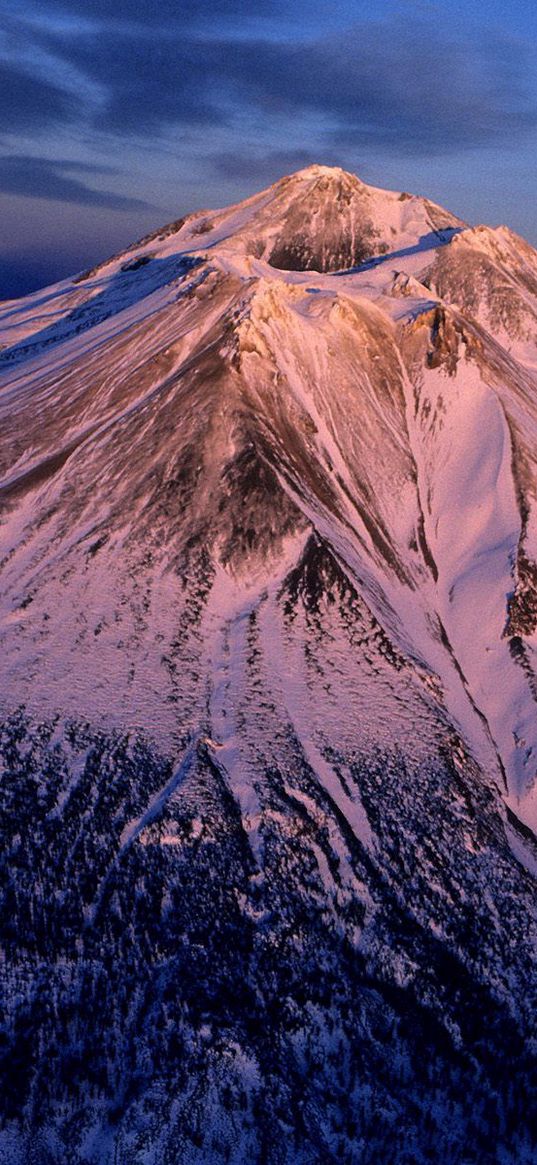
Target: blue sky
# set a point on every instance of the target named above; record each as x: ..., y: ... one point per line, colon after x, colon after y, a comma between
x: 116, y: 117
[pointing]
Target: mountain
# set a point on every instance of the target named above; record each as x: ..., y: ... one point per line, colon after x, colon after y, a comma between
x: 269, y: 743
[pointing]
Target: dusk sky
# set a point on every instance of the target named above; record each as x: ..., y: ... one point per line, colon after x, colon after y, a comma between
x: 119, y: 116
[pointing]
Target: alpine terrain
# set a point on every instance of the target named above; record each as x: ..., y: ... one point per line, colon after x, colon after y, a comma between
x: 269, y: 692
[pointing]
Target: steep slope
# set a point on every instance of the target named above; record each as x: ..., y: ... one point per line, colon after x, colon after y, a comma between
x: 269, y: 601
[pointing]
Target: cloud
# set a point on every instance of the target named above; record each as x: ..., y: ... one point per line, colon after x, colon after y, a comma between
x: 168, y: 13
x: 402, y: 83
x: 267, y: 167
x: 152, y: 82
x: 234, y: 93
x: 28, y: 102
x: 395, y: 82
x: 49, y: 178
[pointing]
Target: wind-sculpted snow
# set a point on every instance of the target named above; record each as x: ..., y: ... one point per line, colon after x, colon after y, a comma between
x: 268, y: 618
x: 89, y: 309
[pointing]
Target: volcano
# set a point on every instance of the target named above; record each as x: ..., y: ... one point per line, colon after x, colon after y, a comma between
x: 269, y: 700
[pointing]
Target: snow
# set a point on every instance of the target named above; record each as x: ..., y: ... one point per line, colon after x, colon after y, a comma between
x: 102, y: 386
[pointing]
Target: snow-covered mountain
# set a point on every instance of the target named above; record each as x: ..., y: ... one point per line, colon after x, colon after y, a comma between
x: 268, y: 618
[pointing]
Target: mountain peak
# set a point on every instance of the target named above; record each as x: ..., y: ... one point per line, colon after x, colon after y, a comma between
x: 316, y: 170
x: 268, y: 625
x: 323, y: 218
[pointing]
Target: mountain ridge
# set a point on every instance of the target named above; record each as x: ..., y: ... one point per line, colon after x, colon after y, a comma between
x: 283, y: 309
x: 268, y: 549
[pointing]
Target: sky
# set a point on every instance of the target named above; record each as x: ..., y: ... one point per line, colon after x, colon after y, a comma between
x: 117, y: 116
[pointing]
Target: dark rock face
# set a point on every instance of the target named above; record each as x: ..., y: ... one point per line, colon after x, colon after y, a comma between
x: 523, y: 602
x: 327, y: 229
x: 299, y: 252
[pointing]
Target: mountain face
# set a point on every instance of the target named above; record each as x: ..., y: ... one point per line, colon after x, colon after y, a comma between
x: 269, y: 699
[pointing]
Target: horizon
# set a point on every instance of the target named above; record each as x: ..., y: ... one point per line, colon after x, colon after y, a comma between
x: 115, y: 124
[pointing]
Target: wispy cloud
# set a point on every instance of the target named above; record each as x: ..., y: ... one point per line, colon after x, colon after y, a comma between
x: 202, y: 102
x: 31, y: 103
x: 267, y: 166
x: 51, y: 179
x: 394, y: 82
